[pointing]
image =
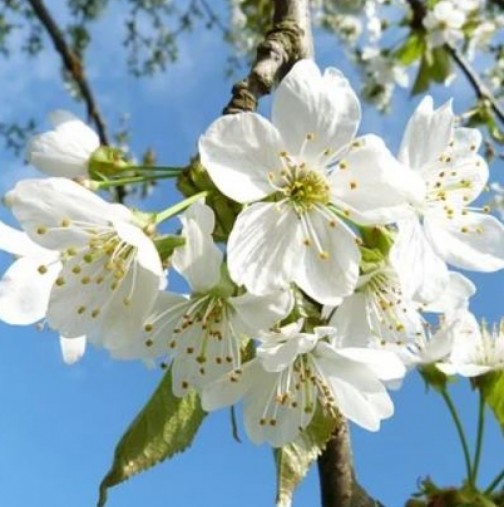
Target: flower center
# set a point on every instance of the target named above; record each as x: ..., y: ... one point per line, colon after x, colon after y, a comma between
x: 303, y: 188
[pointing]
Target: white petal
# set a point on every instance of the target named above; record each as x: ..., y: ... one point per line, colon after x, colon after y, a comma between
x: 259, y: 313
x: 465, y: 370
x: 199, y: 259
x: 384, y: 364
x: 239, y: 151
x: 225, y: 392
x: 306, y: 102
x: 263, y: 247
x: 66, y: 150
x: 46, y: 203
x: 130, y: 306
x: 333, y: 273
x: 427, y: 134
x: 350, y: 319
x: 474, y: 241
x: 146, y: 254
x: 351, y: 393
x: 24, y: 290
x: 371, y: 187
x: 423, y: 274
x: 157, y: 331
x: 18, y: 243
x: 455, y: 296
x: 72, y: 349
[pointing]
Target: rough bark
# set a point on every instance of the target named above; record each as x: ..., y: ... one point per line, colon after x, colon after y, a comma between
x: 289, y: 40
x: 338, y: 486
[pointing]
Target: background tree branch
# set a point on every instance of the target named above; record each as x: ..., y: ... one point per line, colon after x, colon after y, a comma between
x: 481, y: 90
x: 73, y: 65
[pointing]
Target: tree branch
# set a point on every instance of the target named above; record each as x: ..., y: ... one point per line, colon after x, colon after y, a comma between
x: 289, y: 40
x: 480, y: 88
x: 338, y: 486
x: 72, y: 64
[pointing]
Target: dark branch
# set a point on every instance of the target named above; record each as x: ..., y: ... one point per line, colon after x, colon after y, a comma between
x: 289, y: 40
x: 72, y: 64
x: 338, y: 486
x: 480, y: 88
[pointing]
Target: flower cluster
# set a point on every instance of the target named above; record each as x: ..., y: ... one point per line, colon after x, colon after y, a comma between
x: 318, y: 301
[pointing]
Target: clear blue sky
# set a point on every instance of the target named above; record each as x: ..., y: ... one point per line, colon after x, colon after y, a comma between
x: 59, y: 425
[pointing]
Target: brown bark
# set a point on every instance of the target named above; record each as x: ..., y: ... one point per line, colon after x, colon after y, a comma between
x: 338, y: 486
x: 289, y: 40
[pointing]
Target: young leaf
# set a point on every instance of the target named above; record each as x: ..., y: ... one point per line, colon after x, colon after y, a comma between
x: 492, y: 388
x: 412, y: 49
x: 164, y: 427
x: 435, y: 66
x: 294, y: 460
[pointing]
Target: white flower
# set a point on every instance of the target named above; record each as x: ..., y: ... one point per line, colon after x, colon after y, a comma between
x: 26, y: 286
x: 206, y: 332
x: 66, y: 150
x: 295, y: 371
x: 378, y: 313
x: 475, y: 350
x: 309, y: 161
x: 444, y: 23
x: 430, y: 346
x: 443, y: 228
x: 111, y: 270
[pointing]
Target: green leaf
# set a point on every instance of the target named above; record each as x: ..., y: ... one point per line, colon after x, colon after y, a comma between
x: 294, y: 460
x: 412, y: 49
x: 164, y: 427
x: 435, y: 66
x: 492, y: 388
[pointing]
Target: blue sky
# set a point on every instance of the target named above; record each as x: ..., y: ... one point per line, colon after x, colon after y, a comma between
x: 59, y: 425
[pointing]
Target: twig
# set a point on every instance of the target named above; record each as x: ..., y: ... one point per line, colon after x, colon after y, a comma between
x: 289, y: 40
x: 480, y: 88
x: 72, y: 64
x: 213, y: 17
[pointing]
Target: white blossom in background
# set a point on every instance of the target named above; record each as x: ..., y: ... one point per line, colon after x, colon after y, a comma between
x: 66, y: 150
x: 476, y: 350
x: 444, y: 23
x: 315, y: 170
x: 204, y: 333
x: 293, y: 371
x: 110, y: 271
x: 480, y: 37
x: 444, y: 227
x: 382, y: 75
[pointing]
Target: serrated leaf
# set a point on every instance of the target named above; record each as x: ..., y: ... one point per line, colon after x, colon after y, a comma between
x: 492, y: 388
x: 412, y: 49
x: 164, y: 427
x: 294, y: 460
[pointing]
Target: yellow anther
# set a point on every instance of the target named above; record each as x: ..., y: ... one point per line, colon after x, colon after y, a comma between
x: 60, y: 281
x: 42, y: 269
x: 41, y: 230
